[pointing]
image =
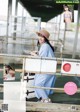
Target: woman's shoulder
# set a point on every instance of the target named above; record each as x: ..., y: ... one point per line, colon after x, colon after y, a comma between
x: 45, y: 45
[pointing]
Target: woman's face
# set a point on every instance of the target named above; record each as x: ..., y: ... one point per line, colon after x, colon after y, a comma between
x: 41, y: 39
x: 6, y: 68
x: 66, y: 8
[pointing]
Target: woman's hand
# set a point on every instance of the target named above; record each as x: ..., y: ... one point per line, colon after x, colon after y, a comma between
x: 34, y: 53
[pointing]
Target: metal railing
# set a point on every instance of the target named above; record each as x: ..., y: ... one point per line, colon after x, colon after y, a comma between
x: 31, y: 58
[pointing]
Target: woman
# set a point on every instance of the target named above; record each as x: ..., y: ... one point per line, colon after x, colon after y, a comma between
x: 67, y: 15
x: 9, y: 73
x: 67, y: 18
x: 44, y: 80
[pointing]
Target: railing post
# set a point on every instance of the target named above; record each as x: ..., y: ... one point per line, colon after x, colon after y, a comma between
x: 23, y: 69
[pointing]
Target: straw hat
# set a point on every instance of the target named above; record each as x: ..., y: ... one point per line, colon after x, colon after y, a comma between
x: 44, y: 32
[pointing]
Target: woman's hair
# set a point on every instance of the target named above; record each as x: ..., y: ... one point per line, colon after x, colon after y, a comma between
x: 9, y: 68
x: 65, y: 6
x: 47, y: 41
x: 38, y: 45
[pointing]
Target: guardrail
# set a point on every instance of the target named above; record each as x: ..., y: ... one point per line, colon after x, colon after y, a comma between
x: 30, y: 43
x: 29, y: 60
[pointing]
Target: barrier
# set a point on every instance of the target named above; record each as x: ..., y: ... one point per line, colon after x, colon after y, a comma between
x: 43, y: 65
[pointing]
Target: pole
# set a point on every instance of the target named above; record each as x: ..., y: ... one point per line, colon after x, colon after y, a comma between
x: 15, y: 20
x: 8, y: 17
x: 76, y: 34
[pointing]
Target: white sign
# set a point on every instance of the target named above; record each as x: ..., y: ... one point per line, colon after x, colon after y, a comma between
x: 33, y: 65
x: 48, y: 66
x: 40, y: 65
x: 70, y: 67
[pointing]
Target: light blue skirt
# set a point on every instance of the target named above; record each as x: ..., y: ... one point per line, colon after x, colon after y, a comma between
x: 44, y: 80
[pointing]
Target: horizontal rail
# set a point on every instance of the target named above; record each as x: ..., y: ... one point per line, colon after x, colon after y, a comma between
x: 37, y: 57
x: 48, y: 88
x: 16, y: 70
x: 28, y: 38
x: 1, y: 85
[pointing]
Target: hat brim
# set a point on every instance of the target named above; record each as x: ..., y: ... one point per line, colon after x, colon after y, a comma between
x: 39, y: 33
